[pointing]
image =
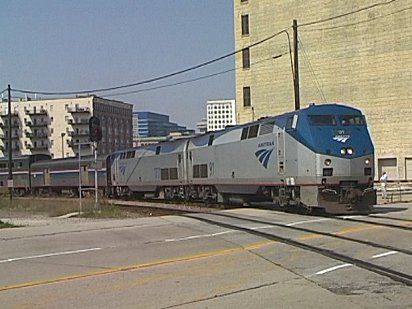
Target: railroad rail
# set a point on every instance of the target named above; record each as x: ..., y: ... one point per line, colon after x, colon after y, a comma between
x: 216, y: 219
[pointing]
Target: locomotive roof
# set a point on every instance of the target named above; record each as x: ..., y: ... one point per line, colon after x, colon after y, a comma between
x: 278, y: 120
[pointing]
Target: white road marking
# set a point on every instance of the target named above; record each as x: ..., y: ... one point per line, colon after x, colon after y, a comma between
x: 308, y: 221
x: 352, y: 217
x: 197, y: 236
x: 262, y: 227
x: 384, y: 254
x: 332, y: 269
x: 49, y: 255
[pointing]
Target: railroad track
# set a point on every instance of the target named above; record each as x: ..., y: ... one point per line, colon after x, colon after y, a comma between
x: 405, y: 224
x: 240, y: 223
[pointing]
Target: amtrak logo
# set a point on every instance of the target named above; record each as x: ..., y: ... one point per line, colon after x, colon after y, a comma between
x: 122, y: 169
x: 263, y: 156
x: 341, y: 138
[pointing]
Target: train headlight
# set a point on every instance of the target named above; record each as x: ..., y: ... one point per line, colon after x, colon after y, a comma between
x: 349, y: 151
x: 367, y: 161
x: 343, y: 151
x: 328, y: 162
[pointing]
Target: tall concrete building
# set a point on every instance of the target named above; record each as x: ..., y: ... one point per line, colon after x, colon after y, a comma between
x: 56, y: 126
x: 220, y: 114
x: 353, y: 52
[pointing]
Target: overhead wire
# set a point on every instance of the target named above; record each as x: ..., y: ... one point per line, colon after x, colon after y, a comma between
x: 152, y: 79
x: 166, y: 76
x: 320, y: 21
x: 189, y: 80
x: 169, y: 85
x: 359, y: 22
x: 311, y: 70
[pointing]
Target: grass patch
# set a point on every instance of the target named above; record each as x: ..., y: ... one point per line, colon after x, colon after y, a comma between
x: 4, y: 225
x: 55, y: 207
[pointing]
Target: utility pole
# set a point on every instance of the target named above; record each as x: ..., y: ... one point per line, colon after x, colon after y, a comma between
x: 10, y: 180
x: 296, y: 64
x: 96, y: 202
x: 62, y: 135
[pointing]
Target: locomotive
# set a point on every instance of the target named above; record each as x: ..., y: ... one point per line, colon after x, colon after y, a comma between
x: 319, y: 157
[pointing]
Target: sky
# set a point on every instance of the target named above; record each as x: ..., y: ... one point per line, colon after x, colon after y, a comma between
x: 81, y: 45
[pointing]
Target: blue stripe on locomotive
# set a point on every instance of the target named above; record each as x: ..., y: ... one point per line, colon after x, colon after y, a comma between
x: 329, y: 139
x: 66, y: 174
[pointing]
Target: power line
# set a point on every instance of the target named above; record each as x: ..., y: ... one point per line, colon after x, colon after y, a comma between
x: 346, y: 14
x: 152, y: 79
x: 359, y: 22
x: 169, y: 85
x: 189, y: 80
x: 307, y: 61
x: 162, y: 77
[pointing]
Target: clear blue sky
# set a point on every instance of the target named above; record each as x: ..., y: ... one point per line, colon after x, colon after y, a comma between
x: 64, y: 46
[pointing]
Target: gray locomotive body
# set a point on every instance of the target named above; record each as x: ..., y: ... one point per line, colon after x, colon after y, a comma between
x: 318, y: 157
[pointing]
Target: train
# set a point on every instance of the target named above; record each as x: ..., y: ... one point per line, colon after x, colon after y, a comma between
x: 41, y: 175
x: 317, y: 158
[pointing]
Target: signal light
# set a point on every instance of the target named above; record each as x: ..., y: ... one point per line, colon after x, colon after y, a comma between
x: 95, y: 131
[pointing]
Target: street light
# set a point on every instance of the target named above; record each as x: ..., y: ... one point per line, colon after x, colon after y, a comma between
x: 63, y: 134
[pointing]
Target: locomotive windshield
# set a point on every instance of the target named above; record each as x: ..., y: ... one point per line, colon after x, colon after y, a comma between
x: 322, y: 120
x: 352, y: 120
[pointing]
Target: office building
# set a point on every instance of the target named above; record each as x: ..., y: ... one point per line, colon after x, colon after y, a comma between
x: 220, y: 114
x: 149, y: 127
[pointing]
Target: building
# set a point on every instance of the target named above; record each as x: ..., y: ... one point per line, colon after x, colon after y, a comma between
x: 353, y: 52
x: 220, y: 114
x: 57, y: 126
x: 149, y: 127
x: 202, y: 125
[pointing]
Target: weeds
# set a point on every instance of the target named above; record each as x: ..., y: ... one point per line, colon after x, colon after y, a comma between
x: 4, y: 225
x: 55, y: 207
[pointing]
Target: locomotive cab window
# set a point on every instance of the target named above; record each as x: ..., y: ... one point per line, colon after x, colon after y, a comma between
x: 253, y: 131
x: 322, y: 120
x: 244, y: 133
x: 352, y: 120
x: 211, y: 138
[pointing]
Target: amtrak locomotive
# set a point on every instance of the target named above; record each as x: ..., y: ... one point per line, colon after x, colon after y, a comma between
x: 319, y: 157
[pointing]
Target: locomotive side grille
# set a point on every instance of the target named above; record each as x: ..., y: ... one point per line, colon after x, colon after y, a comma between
x: 266, y: 128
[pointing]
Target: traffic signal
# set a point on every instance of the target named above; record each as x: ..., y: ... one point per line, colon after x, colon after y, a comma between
x: 95, y: 131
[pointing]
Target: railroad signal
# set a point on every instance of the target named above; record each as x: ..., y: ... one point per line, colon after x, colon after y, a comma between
x: 95, y: 131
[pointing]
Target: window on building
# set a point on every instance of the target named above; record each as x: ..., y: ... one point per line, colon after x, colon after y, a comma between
x: 245, y: 24
x: 246, y: 58
x: 246, y: 97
